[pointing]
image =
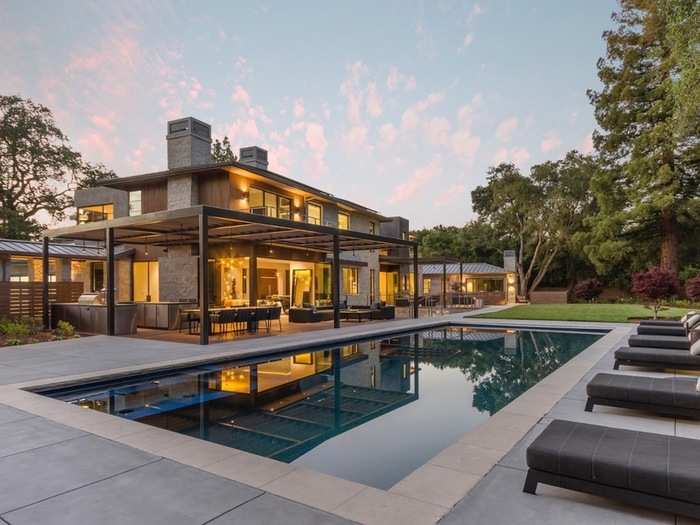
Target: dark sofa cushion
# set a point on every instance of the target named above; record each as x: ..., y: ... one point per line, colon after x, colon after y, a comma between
x: 666, y: 466
x: 677, y: 331
x: 662, y: 356
x: 664, y: 391
x: 660, y: 341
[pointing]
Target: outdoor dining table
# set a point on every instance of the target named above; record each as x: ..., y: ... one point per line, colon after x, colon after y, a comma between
x: 215, y: 311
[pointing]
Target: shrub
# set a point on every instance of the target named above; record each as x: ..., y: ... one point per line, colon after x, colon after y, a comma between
x: 655, y: 285
x: 588, y: 289
x: 64, y: 329
x: 692, y: 288
x: 15, y: 330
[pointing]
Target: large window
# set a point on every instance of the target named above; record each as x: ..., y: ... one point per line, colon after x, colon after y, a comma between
x: 322, y: 289
x: 426, y: 286
x: 97, y: 212
x: 313, y: 213
x: 301, y: 287
x: 270, y: 204
x: 146, y: 281
x: 343, y: 221
x: 484, y: 285
x: 134, y: 203
x: 350, y: 281
x: 97, y: 276
x: 19, y: 271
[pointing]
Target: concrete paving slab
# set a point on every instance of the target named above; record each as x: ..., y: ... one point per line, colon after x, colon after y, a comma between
x: 160, y: 493
x: 499, y: 500
x: 273, y: 510
x: 249, y: 469
x: 43, y: 472
x: 9, y: 414
x: 376, y: 507
x: 434, y: 484
x: 31, y: 433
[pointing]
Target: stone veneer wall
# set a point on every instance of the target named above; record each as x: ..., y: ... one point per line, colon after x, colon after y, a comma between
x: 183, y: 192
x: 123, y: 277
x: 178, y: 274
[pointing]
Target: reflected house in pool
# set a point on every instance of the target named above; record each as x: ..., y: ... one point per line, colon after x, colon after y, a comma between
x: 278, y: 408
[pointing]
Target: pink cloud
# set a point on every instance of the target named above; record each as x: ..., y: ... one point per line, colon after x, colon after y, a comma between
x: 298, y: 108
x: 279, y: 157
x: 586, y: 146
x: 243, y: 132
x: 96, y: 146
x: 437, y: 130
x: 374, y: 103
x: 412, y: 115
x: 550, y: 142
x: 505, y: 129
x: 105, y: 122
x: 420, y: 178
x: 354, y: 137
x: 240, y: 96
x: 316, y: 138
x: 520, y: 156
x: 387, y: 135
x: 454, y: 192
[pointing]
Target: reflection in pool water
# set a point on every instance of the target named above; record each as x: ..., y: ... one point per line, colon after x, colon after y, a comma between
x: 370, y: 412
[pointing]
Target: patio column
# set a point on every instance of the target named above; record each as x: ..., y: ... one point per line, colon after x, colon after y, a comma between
x: 335, y: 282
x: 444, y: 286
x: 45, y: 285
x: 415, y: 282
x: 253, y: 277
x: 203, y: 278
x: 461, y: 283
x: 111, y: 285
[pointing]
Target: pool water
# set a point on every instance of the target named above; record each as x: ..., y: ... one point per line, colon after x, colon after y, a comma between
x: 370, y: 412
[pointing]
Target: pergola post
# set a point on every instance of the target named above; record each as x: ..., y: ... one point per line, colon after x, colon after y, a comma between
x: 335, y: 282
x: 461, y: 283
x: 203, y: 278
x: 111, y: 285
x: 253, y: 276
x: 415, y: 282
x: 444, y: 286
x: 45, y: 285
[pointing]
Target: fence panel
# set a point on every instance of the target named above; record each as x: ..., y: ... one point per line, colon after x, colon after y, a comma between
x: 23, y: 300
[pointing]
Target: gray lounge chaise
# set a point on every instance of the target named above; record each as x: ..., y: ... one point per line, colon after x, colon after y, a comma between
x: 656, y: 358
x: 669, y: 322
x: 660, y: 341
x: 643, y: 469
x: 678, y: 329
x: 668, y: 396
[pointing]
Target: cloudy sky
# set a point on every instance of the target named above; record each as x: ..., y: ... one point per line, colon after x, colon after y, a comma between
x: 401, y: 106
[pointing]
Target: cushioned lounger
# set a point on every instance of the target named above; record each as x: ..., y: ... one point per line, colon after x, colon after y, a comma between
x: 647, y: 470
x: 677, y: 331
x: 660, y: 341
x: 669, y: 322
x: 656, y: 358
x: 670, y: 396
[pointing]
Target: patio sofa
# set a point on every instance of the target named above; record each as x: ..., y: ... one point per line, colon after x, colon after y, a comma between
x: 668, y: 396
x: 309, y: 314
x: 648, y: 470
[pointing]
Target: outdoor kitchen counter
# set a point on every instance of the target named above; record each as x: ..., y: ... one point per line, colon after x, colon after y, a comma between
x: 92, y: 318
x: 162, y: 314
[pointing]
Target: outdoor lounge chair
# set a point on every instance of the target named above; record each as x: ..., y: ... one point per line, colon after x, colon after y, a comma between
x: 648, y: 470
x: 668, y: 396
x: 669, y: 322
x: 681, y: 329
x: 656, y: 358
x: 664, y: 341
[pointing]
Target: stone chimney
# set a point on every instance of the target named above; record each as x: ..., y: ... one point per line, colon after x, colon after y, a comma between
x: 509, y: 260
x: 189, y: 143
x: 253, y: 156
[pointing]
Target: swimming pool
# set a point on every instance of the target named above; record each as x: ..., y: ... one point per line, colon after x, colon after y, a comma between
x: 372, y: 411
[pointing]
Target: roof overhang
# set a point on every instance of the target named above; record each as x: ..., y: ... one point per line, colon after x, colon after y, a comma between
x: 173, y: 227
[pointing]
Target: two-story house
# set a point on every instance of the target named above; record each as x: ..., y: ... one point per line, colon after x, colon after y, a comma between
x: 244, y: 270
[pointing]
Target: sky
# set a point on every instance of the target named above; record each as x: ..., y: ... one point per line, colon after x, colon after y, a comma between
x: 400, y: 106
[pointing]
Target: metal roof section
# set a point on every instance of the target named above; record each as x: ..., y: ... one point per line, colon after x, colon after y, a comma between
x: 57, y: 249
x: 471, y: 268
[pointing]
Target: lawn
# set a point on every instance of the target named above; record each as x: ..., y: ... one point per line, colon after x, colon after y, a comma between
x: 613, y: 313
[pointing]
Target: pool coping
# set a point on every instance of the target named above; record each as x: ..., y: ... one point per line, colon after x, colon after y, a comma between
x: 423, y: 496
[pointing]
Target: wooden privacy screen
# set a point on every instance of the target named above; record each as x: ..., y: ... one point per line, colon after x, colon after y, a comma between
x: 23, y: 300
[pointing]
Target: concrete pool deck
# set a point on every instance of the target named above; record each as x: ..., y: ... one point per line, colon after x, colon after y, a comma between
x: 63, y: 464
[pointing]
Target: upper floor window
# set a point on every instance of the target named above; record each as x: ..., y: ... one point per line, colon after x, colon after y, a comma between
x: 269, y: 204
x: 343, y: 221
x: 372, y: 228
x: 135, y: 203
x: 96, y: 212
x: 313, y: 213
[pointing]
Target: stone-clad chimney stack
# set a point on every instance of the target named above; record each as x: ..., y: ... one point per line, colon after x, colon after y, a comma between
x: 189, y: 143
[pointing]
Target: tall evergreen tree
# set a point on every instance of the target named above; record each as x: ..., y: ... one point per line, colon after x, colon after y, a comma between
x: 221, y: 151
x: 648, y: 185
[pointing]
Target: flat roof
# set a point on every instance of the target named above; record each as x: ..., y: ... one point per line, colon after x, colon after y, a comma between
x: 181, y: 226
x: 135, y: 181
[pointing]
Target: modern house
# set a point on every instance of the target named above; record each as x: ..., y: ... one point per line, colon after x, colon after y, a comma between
x: 252, y: 235
x: 492, y: 284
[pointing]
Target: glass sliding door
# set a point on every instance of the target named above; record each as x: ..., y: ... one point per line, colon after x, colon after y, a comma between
x: 146, y: 281
x: 322, y: 290
x: 388, y: 286
x: 301, y: 287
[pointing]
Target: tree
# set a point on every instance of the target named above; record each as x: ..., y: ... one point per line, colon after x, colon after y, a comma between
x: 692, y: 288
x: 656, y: 285
x: 221, y: 151
x: 541, y: 214
x: 649, y: 175
x: 588, y: 289
x: 475, y: 241
x: 38, y: 168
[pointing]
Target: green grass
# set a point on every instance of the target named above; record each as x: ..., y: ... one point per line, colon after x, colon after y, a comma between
x: 612, y: 313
